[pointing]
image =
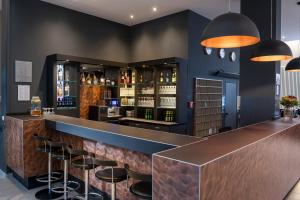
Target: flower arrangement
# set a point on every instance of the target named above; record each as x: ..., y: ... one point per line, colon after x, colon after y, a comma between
x: 289, y: 101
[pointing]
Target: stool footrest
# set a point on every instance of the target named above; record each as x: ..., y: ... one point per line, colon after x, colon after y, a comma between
x: 55, y: 176
x: 91, y: 195
x: 71, y: 186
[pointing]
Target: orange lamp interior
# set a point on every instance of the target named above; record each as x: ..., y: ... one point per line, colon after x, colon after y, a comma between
x: 230, y: 41
x: 270, y: 58
x: 293, y: 70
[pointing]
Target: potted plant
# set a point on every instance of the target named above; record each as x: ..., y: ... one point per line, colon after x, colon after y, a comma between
x: 289, y: 102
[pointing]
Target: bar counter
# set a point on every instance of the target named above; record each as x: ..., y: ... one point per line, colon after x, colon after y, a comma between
x: 254, y: 162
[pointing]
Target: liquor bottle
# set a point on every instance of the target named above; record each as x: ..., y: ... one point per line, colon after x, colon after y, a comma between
x: 88, y: 79
x: 129, y: 77
x: 161, y: 80
x: 141, y: 79
x: 102, y: 80
x: 167, y: 78
x: 174, y: 77
x: 122, y: 78
x: 67, y: 89
x: 133, y: 77
x: 95, y: 80
x: 166, y: 116
x: 82, y: 79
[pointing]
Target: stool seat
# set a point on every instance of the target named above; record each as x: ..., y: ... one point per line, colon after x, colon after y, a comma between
x: 119, y: 174
x: 59, y: 155
x: 46, y: 148
x: 85, y: 164
x: 142, y: 189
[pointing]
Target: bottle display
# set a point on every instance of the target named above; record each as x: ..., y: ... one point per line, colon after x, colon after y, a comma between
x: 169, y: 116
x: 65, y: 86
x: 167, y: 102
x: 167, y: 89
x: 149, y: 114
x: 146, y: 101
x: 36, y: 109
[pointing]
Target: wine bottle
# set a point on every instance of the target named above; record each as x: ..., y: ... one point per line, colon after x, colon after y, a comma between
x: 174, y: 77
x: 161, y: 80
x: 167, y: 78
x: 141, y: 79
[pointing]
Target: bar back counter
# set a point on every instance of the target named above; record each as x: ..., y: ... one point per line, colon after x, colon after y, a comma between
x: 255, y: 162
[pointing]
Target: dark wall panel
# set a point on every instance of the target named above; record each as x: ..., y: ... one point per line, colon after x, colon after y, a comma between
x: 39, y: 29
x: 257, y: 85
x: 160, y: 38
x: 202, y: 65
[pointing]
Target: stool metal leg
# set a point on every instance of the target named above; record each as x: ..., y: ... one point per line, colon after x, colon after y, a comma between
x: 113, y: 191
x: 46, y: 194
x: 65, y: 179
x: 86, y: 185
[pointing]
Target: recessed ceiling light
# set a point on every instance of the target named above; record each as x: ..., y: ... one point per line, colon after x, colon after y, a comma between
x: 131, y: 16
x: 154, y: 9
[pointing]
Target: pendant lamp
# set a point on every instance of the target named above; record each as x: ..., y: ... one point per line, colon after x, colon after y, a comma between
x: 271, y: 50
x: 230, y: 30
x: 293, y: 65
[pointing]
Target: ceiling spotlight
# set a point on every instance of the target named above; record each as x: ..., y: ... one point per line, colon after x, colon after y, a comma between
x: 131, y: 16
x: 154, y: 9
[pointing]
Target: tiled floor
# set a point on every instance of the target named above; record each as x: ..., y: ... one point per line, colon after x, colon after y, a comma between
x: 295, y: 193
x: 11, y: 189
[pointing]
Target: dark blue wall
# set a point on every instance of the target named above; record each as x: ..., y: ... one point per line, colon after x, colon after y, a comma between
x: 257, y: 86
x: 39, y: 29
x: 202, y: 65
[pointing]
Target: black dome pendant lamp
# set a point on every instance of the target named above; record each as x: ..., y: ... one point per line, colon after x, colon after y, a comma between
x: 293, y: 65
x: 230, y: 30
x: 271, y: 50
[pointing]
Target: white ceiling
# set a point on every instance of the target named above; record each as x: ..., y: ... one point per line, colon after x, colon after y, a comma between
x: 290, y: 20
x: 120, y: 10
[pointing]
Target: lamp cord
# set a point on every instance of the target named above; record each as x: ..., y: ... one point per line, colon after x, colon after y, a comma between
x: 229, y: 5
x: 271, y: 19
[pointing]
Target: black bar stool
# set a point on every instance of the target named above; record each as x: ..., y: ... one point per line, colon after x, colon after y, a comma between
x: 87, y: 162
x: 44, y: 147
x: 63, y: 155
x: 111, y: 174
x: 142, y: 188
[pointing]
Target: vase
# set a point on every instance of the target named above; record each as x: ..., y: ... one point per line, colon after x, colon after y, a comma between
x: 288, y: 113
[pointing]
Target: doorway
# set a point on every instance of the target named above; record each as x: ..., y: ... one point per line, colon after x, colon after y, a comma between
x: 231, y: 105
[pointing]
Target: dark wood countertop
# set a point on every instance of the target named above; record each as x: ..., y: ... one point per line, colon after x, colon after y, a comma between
x: 144, y: 140
x: 215, y: 147
x: 25, y: 117
x: 149, y: 121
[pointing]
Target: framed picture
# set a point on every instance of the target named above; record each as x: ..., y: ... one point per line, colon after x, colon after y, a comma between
x: 23, y: 71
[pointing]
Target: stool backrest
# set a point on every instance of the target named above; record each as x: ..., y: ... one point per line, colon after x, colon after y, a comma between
x: 136, y: 175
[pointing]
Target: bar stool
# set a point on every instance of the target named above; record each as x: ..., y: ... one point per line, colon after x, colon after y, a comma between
x: 46, y: 193
x: 87, y: 162
x: 111, y: 174
x: 63, y: 155
x: 142, y: 188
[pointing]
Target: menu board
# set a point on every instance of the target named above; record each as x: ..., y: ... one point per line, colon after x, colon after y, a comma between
x: 23, y: 71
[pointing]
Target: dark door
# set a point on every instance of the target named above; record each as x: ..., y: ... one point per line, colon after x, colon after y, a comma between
x: 230, y: 105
